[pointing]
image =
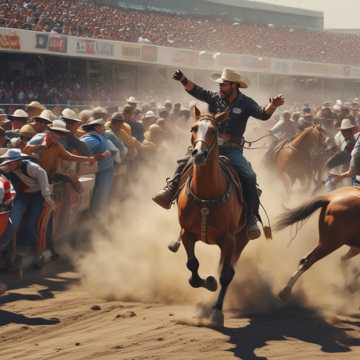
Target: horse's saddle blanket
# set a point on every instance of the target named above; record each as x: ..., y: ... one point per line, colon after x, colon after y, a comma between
x: 229, y: 171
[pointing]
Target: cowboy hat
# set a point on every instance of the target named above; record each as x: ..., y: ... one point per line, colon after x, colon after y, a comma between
x: 346, y: 124
x: 35, y: 105
x: 230, y: 76
x: 19, y: 114
x: 45, y: 116
x: 131, y: 100
x: 93, y: 122
x: 69, y: 114
x: 27, y: 130
x: 12, y: 155
x: 59, y: 126
x: 99, y: 110
x: 149, y: 114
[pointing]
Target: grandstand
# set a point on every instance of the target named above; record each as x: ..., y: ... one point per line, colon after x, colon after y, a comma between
x: 275, y: 47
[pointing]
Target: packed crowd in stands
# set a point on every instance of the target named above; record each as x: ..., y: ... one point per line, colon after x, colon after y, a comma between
x: 86, y: 19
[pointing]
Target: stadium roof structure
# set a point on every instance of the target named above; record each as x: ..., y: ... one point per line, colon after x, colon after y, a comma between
x: 268, y: 7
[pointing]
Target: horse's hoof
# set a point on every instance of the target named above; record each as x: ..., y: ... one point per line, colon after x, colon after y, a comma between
x: 174, y: 246
x: 211, y: 283
x: 285, y: 294
x: 217, y: 318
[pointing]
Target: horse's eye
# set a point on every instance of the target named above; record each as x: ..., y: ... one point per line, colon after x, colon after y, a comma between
x: 194, y: 129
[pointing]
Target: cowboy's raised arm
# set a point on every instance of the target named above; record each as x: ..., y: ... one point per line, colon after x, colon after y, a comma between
x: 265, y: 113
x: 193, y: 89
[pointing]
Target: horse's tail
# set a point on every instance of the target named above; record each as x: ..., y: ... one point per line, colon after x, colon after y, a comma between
x: 302, y: 212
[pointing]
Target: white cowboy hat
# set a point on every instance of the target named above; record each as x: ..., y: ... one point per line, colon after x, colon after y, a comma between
x: 69, y: 114
x: 131, y: 100
x: 19, y: 114
x: 45, y: 115
x: 346, y: 124
x: 12, y: 155
x: 60, y: 126
x: 149, y: 114
x: 100, y: 110
x: 231, y: 76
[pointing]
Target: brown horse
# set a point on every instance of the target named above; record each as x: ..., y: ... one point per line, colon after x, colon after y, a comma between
x: 295, y: 160
x: 211, y: 210
x: 338, y: 225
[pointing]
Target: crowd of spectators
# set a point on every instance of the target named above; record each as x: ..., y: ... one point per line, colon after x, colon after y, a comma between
x: 87, y: 19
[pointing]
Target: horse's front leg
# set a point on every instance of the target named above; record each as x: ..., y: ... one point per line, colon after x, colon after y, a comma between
x: 227, y: 273
x: 193, y: 264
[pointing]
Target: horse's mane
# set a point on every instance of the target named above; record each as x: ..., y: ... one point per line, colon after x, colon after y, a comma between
x: 300, y: 137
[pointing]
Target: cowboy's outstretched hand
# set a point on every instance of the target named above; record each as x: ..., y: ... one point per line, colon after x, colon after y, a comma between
x: 277, y: 100
x: 178, y: 75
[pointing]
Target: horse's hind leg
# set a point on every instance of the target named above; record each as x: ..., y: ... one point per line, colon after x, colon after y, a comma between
x: 193, y: 264
x: 318, y: 253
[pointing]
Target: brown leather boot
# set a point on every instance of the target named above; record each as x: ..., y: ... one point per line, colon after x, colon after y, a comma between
x: 166, y: 196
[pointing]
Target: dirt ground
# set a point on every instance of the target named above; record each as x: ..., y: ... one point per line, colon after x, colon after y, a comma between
x: 51, y: 316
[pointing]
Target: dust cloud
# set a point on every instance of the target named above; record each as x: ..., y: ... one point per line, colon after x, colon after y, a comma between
x: 130, y: 261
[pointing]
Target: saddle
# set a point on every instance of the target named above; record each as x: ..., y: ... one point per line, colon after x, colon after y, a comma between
x: 229, y: 171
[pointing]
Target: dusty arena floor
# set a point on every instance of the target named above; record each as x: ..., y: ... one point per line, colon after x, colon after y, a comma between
x: 53, y: 317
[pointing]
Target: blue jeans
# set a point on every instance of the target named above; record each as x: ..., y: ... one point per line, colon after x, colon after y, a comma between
x: 6, y: 237
x: 31, y: 205
x: 102, y: 190
x: 247, y: 177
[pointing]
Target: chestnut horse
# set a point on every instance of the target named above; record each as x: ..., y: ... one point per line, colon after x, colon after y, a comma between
x: 338, y: 225
x: 211, y: 210
x: 295, y: 160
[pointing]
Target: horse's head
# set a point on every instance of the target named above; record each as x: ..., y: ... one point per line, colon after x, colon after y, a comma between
x: 204, y: 134
x: 320, y: 136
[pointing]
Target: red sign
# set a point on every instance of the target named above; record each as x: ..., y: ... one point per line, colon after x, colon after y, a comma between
x: 57, y: 44
x: 10, y: 41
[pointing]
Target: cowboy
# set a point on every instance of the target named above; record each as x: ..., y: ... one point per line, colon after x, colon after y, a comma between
x: 131, y: 101
x: 285, y: 128
x: 18, y: 119
x: 71, y: 140
x: 98, y: 146
x: 353, y: 170
x: 137, y: 127
x: 41, y: 122
x: 240, y: 107
x: 111, y: 133
x: 50, y: 152
x: 34, y: 108
x: 32, y: 192
x: 345, y: 140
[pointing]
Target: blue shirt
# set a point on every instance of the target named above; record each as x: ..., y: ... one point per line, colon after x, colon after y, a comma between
x: 97, y: 144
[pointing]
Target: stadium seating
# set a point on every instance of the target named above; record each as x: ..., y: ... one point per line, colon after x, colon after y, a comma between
x: 85, y: 18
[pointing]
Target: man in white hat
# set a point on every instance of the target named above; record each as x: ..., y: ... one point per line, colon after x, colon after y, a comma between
x: 345, y: 140
x: 350, y: 155
x: 18, y: 119
x: 32, y: 192
x: 240, y: 108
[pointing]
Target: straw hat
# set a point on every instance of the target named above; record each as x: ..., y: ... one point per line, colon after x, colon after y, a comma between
x: 69, y: 114
x: 35, y: 105
x: 346, y: 124
x: 231, y: 76
x: 45, y: 115
x: 59, y: 126
x: 19, y: 114
x: 27, y: 130
x: 131, y: 100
